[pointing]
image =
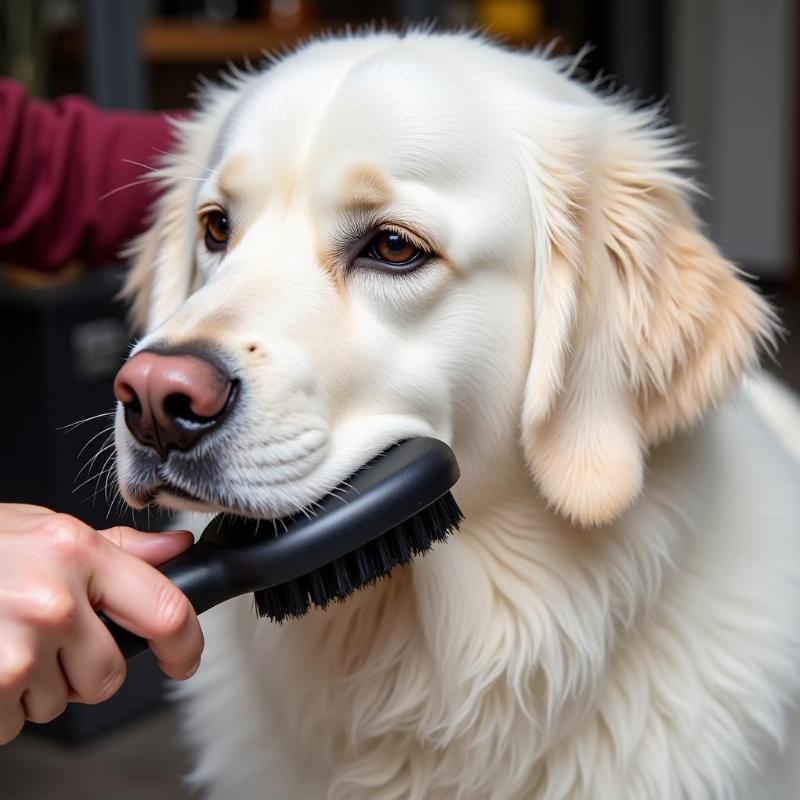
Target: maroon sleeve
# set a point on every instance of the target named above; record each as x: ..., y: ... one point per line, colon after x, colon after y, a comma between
x: 60, y: 164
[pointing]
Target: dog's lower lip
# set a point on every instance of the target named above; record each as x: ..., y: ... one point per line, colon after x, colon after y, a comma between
x: 178, y: 492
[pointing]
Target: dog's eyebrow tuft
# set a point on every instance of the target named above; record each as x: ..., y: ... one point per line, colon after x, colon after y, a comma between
x: 364, y: 188
x: 231, y: 174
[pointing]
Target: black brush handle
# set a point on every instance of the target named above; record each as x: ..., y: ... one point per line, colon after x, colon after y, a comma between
x: 231, y: 559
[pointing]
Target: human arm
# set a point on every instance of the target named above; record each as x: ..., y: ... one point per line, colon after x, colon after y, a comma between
x: 62, y: 166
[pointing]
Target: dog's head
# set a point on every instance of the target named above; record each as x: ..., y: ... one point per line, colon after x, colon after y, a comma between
x: 385, y: 236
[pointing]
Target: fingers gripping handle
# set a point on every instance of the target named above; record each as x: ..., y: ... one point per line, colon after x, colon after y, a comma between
x: 200, y: 573
x: 129, y: 644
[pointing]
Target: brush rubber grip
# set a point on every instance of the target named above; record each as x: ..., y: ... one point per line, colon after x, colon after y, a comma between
x: 232, y: 557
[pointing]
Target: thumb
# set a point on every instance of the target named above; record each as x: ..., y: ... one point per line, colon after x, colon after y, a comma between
x: 154, y: 548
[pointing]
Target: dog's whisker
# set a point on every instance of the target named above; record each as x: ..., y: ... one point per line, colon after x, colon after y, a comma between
x: 70, y: 426
x: 107, y: 443
x: 154, y: 173
x: 131, y: 184
x: 90, y: 464
x: 106, y: 469
x: 111, y: 474
x: 104, y: 431
x: 184, y: 158
x: 92, y: 497
x: 145, y: 179
x: 91, y: 477
x: 96, y: 478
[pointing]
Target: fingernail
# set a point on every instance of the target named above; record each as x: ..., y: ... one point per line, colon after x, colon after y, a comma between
x: 192, y: 671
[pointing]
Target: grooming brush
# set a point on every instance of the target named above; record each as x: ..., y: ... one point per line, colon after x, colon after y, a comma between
x: 391, y: 510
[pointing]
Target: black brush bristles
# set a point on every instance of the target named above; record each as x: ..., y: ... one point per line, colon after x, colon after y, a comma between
x: 364, y: 566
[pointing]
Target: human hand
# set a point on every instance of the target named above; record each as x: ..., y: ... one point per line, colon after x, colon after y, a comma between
x: 55, y: 573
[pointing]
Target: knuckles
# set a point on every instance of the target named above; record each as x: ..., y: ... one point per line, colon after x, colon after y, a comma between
x: 16, y: 666
x: 49, y: 607
x: 70, y: 538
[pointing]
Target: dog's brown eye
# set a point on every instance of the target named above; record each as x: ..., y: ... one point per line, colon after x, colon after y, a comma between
x: 217, y: 230
x: 390, y: 250
x: 393, y: 248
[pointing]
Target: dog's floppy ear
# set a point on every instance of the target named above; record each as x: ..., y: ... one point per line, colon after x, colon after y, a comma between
x: 640, y: 323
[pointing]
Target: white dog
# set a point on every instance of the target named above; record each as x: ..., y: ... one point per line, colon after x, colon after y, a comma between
x: 384, y: 236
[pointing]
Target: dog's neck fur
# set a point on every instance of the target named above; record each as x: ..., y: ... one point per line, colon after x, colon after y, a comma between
x: 533, y: 608
x: 544, y: 682
x: 527, y: 658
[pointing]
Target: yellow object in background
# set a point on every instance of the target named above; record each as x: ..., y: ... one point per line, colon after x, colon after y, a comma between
x: 517, y: 19
x: 27, y: 278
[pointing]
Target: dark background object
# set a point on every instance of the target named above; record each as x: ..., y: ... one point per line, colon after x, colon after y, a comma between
x: 113, y: 71
x: 628, y: 40
x: 60, y: 347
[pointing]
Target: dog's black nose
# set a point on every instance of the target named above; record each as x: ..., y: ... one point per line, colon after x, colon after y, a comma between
x: 171, y: 401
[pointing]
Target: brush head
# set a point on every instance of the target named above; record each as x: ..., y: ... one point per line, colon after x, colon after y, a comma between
x: 389, y: 511
x: 363, y: 566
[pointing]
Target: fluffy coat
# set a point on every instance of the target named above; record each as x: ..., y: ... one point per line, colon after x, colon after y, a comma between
x: 620, y: 615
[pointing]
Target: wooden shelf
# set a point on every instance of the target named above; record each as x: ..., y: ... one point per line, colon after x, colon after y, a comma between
x: 179, y: 42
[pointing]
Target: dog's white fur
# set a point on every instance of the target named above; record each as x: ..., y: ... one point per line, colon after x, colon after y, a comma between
x: 620, y: 615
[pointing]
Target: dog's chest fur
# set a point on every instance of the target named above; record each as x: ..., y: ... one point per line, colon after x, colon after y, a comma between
x: 523, y: 659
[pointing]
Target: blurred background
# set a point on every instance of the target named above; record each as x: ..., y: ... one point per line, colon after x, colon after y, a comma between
x: 729, y: 71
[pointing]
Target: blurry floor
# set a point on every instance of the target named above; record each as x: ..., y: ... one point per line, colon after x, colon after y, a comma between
x: 147, y: 760
x: 142, y: 761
